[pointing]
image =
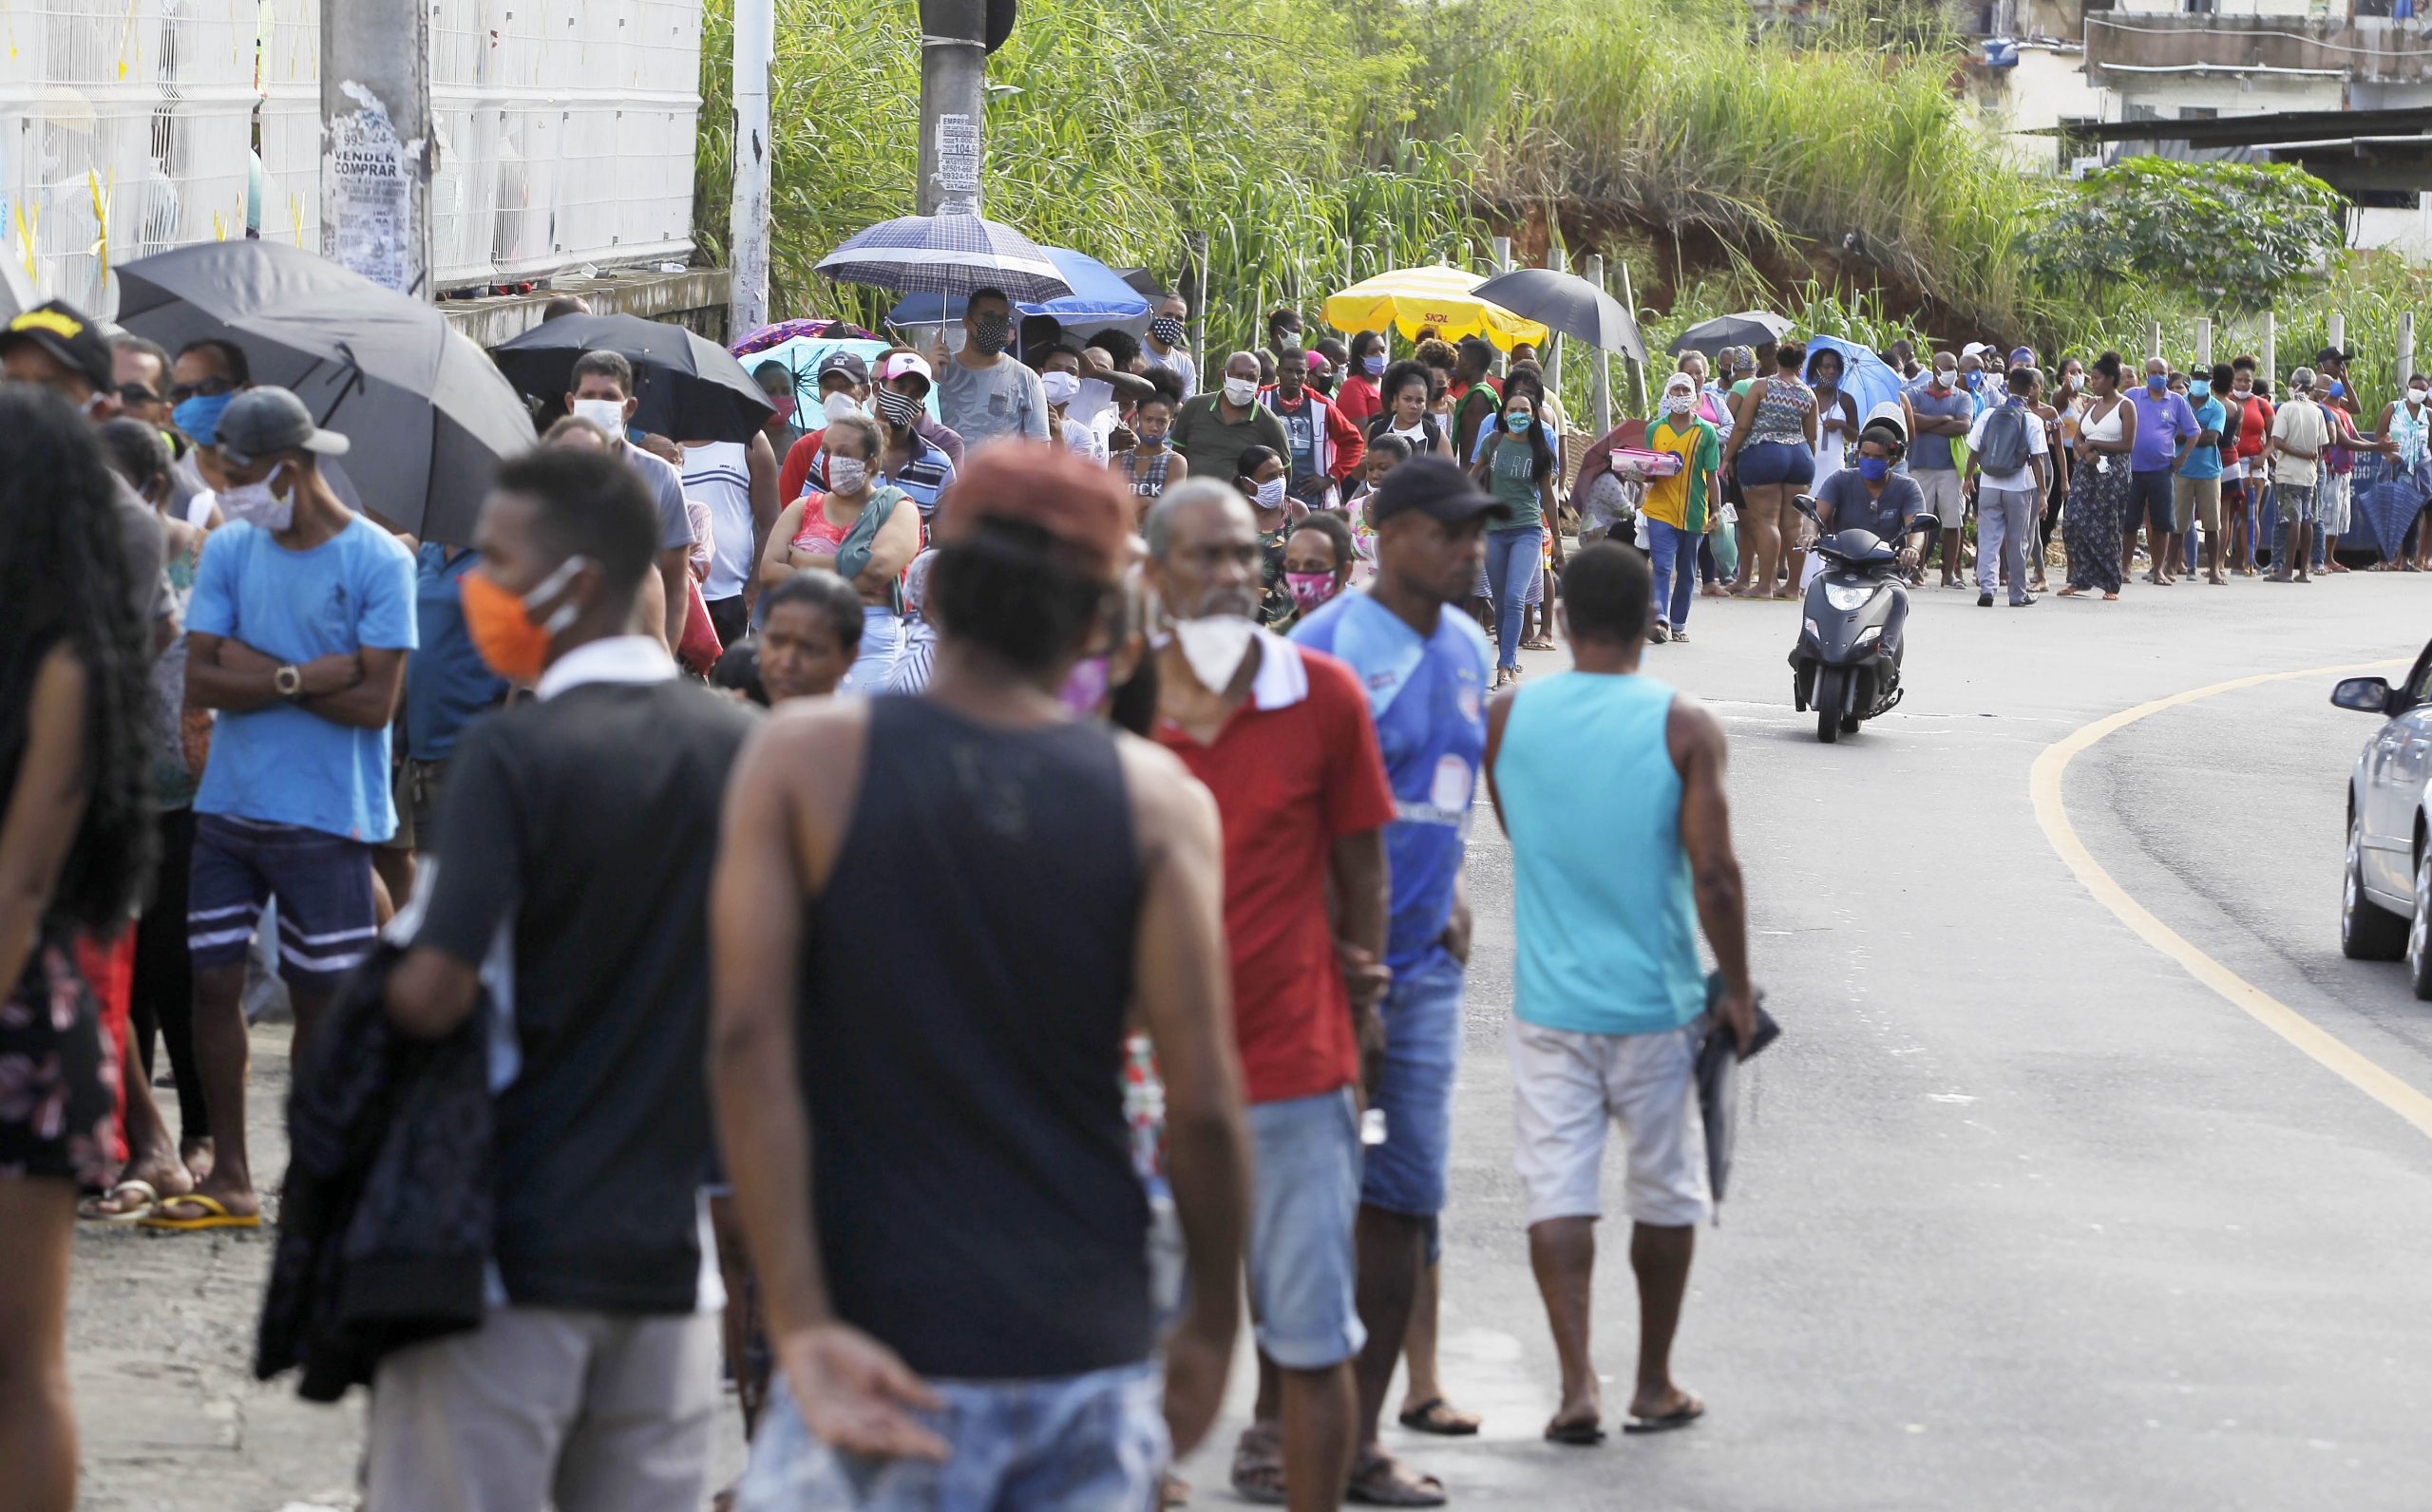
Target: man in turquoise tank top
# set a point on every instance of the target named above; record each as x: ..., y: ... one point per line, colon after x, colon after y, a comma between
x: 1613, y: 880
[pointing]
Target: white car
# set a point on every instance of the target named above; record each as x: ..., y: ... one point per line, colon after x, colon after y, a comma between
x: 2386, y: 897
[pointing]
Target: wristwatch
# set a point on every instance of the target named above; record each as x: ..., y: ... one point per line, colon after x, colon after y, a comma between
x: 289, y: 681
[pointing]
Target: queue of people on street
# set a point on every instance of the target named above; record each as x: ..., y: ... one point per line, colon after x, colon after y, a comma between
x: 1121, y: 739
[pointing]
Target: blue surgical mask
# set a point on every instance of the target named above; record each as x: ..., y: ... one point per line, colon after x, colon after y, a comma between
x: 1874, y: 469
x: 198, y: 417
x: 1372, y: 366
x: 2157, y: 382
x: 2200, y: 389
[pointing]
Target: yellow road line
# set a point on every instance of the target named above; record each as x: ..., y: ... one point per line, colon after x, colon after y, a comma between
x: 2326, y: 1049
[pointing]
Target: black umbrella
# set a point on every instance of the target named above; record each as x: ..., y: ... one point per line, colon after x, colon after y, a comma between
x: 428, y: 416
x: 1718, y: 1077
x: 691, y: 387
x: 1567, y: 303
x: 1145, y: 281
x: 1750, y: 328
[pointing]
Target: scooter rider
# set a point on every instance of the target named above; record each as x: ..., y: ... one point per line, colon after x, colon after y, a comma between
x: 1867, y: 495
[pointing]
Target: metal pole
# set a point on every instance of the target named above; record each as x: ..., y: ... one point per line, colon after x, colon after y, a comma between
x: 2405, y: 349
x: 1636, y: 369
x: 376, y: 143
x: 954, y: 87
x: 2339, y: 330
x: 1503, y: 254
x: 1600, y: 382
x: 2204, y: 342
x: 2152, y: 338
x: 2272, y: 347
x: 1558, y: 259
x: 1199, y: 304
x: 755, y: 47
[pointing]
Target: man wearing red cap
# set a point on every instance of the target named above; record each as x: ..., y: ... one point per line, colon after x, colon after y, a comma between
x: 938, y: 1195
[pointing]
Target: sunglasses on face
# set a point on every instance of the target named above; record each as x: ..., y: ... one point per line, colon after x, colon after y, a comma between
x: 207, y: 389
x: 137, y: 394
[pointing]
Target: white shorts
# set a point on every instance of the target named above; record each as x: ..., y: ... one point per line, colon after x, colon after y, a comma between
x: 1567, y: 1086
x: 1945, y: 500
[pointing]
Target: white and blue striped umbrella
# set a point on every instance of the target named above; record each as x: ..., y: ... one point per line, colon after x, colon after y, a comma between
x: 951, y: 255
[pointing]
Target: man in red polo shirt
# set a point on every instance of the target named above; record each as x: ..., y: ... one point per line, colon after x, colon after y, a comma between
x: 1281, y: 735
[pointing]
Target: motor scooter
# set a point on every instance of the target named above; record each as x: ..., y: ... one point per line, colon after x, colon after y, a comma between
x: 1841, y: 667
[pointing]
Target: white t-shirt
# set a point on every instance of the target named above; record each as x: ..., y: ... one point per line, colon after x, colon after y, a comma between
x: 2021, y: 481
x: 2301, y: 425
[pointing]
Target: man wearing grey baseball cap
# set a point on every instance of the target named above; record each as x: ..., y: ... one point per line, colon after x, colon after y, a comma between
x: 302, y: 614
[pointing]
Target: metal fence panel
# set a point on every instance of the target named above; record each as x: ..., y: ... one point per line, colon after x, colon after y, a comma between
x: 565, y: 132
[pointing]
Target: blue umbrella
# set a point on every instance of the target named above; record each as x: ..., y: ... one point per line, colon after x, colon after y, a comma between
x: 1865, y: 377
x: 1099, y: 295
x: 2387, y: 496
x: 952, y: 254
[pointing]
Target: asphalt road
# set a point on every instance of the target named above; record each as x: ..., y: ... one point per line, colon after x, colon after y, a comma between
x: 2024, y: 1215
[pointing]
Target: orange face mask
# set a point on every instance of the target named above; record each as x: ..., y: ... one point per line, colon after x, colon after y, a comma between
x: 502, y: 625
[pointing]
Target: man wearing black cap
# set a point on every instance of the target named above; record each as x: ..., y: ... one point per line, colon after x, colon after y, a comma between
x: 54, y: 345
x: 301, y: 617
x: 1426, y: 673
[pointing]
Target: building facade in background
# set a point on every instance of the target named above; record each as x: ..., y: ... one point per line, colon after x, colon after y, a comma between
x: 566, y: 133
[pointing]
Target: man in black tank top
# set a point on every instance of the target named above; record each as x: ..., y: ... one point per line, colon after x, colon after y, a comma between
x: 932, y: 918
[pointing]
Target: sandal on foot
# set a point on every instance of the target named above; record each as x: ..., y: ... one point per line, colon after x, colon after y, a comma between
x: 1680, y: 1417
x: 110, y: 1208
x: 1258, y: 1465
x: 1440, y: 1417
x: 214, y: 1214
x: 1382, y: 1482
x: 1581, y: 1433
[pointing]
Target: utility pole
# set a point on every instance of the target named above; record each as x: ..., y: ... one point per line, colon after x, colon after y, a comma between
x: 376, y: 145
x: 755, y: 50
x: 1558, y: 258
x: 1601, y: 380
x: 956, y: 38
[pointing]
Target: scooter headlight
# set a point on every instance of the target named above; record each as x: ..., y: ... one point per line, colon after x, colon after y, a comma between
x: 1847, y: 596
x: 1867, y: 638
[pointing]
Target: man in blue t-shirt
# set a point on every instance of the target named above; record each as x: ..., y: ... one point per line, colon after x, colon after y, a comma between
x: 1425, y: 671
x: 2196, y: 490
x: 298, y: 632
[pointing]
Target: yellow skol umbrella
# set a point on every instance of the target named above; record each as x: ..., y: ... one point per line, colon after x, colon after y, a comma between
x: 1409, y: 298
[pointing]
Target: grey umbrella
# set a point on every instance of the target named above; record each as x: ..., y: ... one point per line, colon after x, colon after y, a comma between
x: 1749, y: 327
x: 1567, y: 303
x: 428, y: 415
x: 16, y: 290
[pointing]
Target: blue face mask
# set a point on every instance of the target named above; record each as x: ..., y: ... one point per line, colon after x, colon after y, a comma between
x: 1975, y: 380
x: 1518, y: 424
x: 198, y: 417
x: 2338, y: 389
x: 2200, y: 389
x: 1874, y: 469
x: 2157, y: 382
x: 1372, y: 366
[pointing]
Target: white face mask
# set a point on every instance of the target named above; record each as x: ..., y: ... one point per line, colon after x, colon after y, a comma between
x: 1214, y: 646
x: 1060, y: 387
x: 257, y: 504
x: 847, y: 475
x: 1270, y: 493
x: 839, y: 404
x: 2415, y: 396
x: 608, y: 414
x: 1677, y: 403
x: 1239, y: 392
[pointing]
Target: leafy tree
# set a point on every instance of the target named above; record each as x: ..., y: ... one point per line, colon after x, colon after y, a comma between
x: 2233, y: 234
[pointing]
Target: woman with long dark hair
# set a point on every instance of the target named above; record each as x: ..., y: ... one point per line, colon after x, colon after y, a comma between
x: 1517, y: 465
x: 1405, y: 395
x: 76, y: 847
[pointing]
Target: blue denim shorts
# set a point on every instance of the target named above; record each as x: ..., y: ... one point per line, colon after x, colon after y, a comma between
x: 1422, y: 1013
x: 1761, y: 463
x: 1094, y: 1442
x: 1304, y: 1201
x: 327, y: 917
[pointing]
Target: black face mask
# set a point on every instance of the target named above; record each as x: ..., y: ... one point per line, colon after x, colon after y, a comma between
x: 1167, y: 329
x: 991, y: 332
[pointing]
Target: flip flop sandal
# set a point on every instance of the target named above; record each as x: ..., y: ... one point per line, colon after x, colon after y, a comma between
x: 1680, y: 1417
x: 1585, y: 1435
x: 108, y: 1209
x: 1440, y: 1417
x: 1258, y: 1465
x: 1382, y: 1482
x: 214, y: 1216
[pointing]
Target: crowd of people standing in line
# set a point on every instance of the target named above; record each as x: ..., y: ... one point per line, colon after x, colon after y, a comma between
x: 1146, y: 828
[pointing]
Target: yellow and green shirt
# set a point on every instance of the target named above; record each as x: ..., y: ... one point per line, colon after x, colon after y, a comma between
x: 1680, y: 501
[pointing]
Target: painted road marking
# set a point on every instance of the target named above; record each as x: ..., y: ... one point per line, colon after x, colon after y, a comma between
x: 2326, y: 1049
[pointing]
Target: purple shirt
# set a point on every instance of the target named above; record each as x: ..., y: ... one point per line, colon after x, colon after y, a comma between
x: 2161, y: 423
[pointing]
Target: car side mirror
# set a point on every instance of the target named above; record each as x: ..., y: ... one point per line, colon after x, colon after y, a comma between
x: 2367, y: 695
